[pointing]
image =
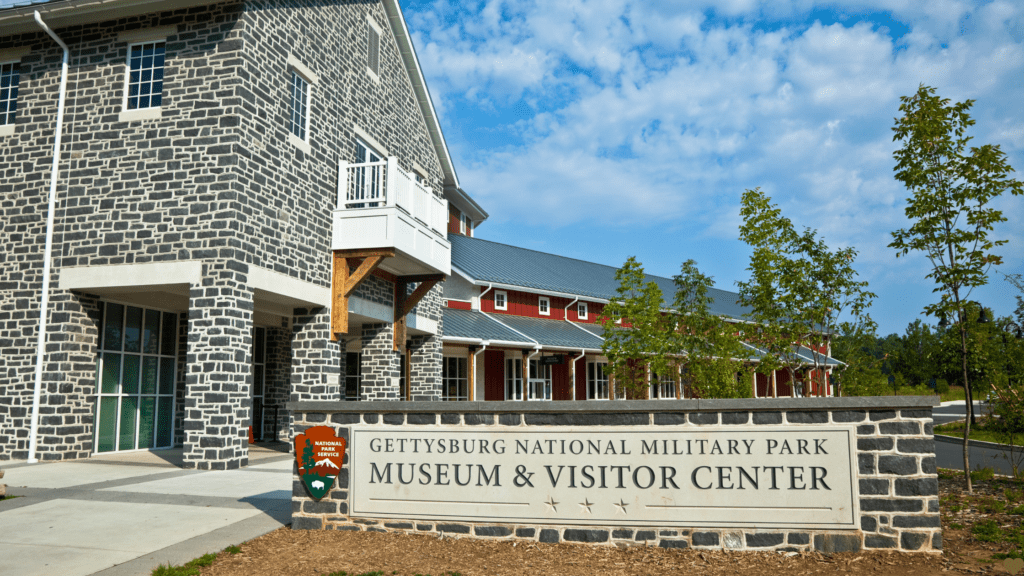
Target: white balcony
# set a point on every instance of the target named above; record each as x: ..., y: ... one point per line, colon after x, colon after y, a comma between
x: 382, y: 206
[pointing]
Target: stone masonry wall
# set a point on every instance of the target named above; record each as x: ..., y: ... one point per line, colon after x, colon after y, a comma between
x: 896, y: 475
x: 214, y: 179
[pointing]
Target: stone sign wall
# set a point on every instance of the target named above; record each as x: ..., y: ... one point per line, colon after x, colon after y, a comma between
x: 828, y: 474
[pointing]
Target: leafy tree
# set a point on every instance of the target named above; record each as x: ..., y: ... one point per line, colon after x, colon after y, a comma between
x: 798, y: 289
x: 914, y: 357
x: 861, y: 351
x: 951, y: 187
x: 711, y: 348
x: 645, y: 343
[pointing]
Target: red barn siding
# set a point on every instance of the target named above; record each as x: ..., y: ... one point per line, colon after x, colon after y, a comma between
x: 494, y: 375
x: 458, y: 305
x: 561, y: 380
x: 581, y: 379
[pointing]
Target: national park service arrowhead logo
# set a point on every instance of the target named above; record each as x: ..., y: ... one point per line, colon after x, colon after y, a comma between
x: 320, y: 454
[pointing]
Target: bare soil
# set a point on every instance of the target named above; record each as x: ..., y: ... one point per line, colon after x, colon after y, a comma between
x: 318, y: 553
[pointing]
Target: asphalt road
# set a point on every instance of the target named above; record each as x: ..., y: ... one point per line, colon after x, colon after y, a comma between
x: 949, y: 455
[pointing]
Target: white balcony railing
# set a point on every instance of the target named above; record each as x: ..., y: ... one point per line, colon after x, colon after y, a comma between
x: 385, y: 184
x: 382, y: 206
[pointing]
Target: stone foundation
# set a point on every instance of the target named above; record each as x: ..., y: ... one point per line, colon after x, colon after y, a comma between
x: 895, y: 475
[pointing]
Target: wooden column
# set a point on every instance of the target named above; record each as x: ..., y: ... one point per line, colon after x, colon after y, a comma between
x: 404, y: 305
x: 343, y: 284
x: 526, y: 375
x: 471, y: 363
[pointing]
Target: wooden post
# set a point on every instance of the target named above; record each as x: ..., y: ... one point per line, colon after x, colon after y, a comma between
x: 754, y: 376
x: 400, y: 322
x: 471, y: 363
x: 775, y: 385
x: 339, y: 301
x: 526, y: 375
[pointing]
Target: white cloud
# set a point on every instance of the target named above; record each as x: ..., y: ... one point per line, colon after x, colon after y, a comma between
x: 655, y: 112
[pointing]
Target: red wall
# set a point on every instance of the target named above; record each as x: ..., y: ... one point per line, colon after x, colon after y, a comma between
x: 460, y: 305
x: 494, y: 375
x: 561, y: 376
x: 581, y: 379
x: 520, y: 303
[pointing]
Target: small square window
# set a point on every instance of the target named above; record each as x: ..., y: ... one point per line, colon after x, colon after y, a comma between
x: 145, y: 82
x: 500, y: 300
x: 581, y: 311
x: 544, y: 306
x: 298, y: 120
x: 9, y: 76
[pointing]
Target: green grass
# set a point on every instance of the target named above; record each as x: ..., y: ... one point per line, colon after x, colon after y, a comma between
x: 987, y: 531
x: 233, y: 549
x: 191, y: 568
x: 978, y: 432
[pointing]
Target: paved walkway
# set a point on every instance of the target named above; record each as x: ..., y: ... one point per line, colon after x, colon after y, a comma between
x: 124, y: 514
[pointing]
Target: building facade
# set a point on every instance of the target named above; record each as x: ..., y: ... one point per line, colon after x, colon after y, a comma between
x: 210, y: 155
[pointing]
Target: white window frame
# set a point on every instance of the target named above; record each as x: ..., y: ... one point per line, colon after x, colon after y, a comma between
x: 462, y: 223
x: 581, y: 311
x: 504, y: 300
x: 539, y: 382
x: 544, y: 306
x: 461, y: 382
x: 11, y: 57
x: 658, y: 382
x: 372, y: 24
x: 294, y: 69
x: 514, y: 378
x: 595, y: 390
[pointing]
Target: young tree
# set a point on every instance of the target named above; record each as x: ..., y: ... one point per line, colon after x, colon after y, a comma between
x: 951, y: 187
x: 631, y: 351
x: 711, y: 348
x: 798, y: 289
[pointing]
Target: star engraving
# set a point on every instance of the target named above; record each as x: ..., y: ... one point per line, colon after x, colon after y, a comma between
x: 620, y: 505
x: 585, y: 506
x: 551, y: 504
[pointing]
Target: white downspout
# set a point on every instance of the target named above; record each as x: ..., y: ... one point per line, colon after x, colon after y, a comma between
x: 574, y: 361
x: 33, y: 436
x: 480, y: 298
x: 565, y: 312
x: 476, y: 355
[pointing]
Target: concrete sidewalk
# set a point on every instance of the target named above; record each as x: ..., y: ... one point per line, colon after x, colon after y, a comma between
x: 124, y: 514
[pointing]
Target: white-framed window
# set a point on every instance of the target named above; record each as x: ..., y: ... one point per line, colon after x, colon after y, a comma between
x: 597, y: 380
x: 298, y: 114
x: 544, y: 306
x: 144, y: 83
x: 513, y: 378
x: 462, y: 223
x: 10, y: 75
x: 663, y: 386
x: 540, y: 381
x: 373, y: 49
x: 455, y: 378
x: 581, y: 310
x: 500, y: 300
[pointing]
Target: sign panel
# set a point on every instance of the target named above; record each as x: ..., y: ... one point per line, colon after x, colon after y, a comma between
x: 550, y: 360
x: 710, y: 476
x: 320, y: 455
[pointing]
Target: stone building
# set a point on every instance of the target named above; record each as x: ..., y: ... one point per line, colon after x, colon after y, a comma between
x: 219, y: 165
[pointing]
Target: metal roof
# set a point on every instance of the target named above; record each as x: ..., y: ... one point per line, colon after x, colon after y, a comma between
x: 477, y: 325
x: 551, y: 333
x: 490, y: 262
x: 19, y: 3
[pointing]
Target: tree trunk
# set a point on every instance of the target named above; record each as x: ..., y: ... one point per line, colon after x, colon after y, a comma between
x: 970, y: 401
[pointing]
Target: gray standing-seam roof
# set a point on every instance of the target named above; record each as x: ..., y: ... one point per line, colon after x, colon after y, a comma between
x: 554, y: 333
x: 486, y: 261
x: 21, y: 3
x: 472, y: 324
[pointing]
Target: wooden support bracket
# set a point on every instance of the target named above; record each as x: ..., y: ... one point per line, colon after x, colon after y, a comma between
x: 343, y: 285
x: 404, y: 305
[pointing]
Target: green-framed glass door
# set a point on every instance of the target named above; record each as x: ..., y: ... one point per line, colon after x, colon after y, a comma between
x: 135, y: 379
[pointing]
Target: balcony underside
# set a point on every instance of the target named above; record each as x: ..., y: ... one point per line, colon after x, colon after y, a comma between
x: 418, y: 249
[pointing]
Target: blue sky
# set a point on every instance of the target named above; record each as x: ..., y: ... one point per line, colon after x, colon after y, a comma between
x: 613, y: 128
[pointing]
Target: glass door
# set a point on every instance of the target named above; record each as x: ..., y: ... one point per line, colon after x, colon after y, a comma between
x: 513, y: 379
x: 135, y: 379
x: 540, y: 381
x: 259, y: 371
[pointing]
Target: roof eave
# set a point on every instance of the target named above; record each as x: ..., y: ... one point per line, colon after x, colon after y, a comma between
x: 64, y: 13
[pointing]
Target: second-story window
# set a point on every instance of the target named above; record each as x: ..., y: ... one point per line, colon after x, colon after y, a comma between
x: 298, y: 119
x: 581, y: 311
x: 544, y: 306
x: 9, y: 74
x: 500, y: 300
x: 145, y: 75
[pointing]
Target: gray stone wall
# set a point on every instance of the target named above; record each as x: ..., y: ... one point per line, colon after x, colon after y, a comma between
x: 213, y: 179
x: 278, y: 380
x: 380, y: 362
x: 895, y: 477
